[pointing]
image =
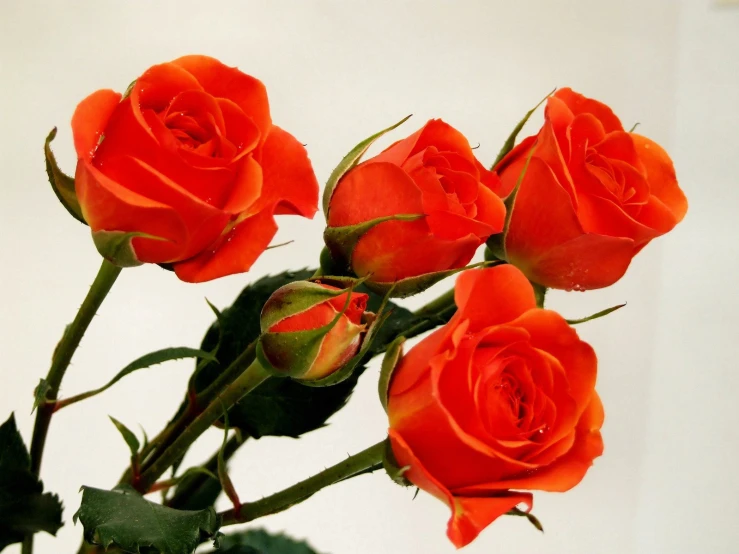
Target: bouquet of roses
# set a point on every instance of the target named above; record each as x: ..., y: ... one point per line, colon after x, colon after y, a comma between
x: 186, y: 170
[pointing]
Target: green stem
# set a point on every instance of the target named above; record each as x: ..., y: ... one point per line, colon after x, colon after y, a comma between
x: 195, y: 404
x: 190, y: 486
x: 107, y: 274
x: 290, y: 496
x: 251, y: 378
x: 437, y: 305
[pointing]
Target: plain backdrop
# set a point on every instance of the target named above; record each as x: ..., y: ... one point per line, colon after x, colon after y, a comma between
x: 337, y: 71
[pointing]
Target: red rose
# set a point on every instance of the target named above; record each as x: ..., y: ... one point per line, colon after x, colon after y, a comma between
x: 498, y: 401
x: 431, y: 176
x: 592, y: 197
x: 310, y: 330
x: 190, y: 157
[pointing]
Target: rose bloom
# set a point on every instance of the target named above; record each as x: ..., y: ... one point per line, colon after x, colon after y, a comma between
x: 592, y: 197
x: 499, y: 401
x: 284, y: 345
x: 190, y: 157
x: 433, y: 174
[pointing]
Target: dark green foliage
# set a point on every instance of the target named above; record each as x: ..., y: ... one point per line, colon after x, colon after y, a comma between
x: 125, y: 519
x: 24, y: 507
x: 259, y: 541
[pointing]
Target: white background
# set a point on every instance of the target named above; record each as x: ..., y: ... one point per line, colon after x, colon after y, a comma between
x: 337, y: 71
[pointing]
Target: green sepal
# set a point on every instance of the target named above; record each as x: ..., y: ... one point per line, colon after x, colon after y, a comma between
x: 292, y: 299
x: 389, y: 363
x: 341, y: 241
x: 511, y: 140
x: 345, y: 371
x: 61, y: 183
x: 496, y: 243
x: 292, y: 353
x: 116, y: 247
x: 128, y: 436
x: 531, y: 517
x: 540, y: 293
x: 351, y: 160
x: 375, y: 323
x: 128, y: 90
x: 392, y: 467
x: 414, y: 285
x: 125, y: 519
x: 24, y: 508
x: 596, y: 315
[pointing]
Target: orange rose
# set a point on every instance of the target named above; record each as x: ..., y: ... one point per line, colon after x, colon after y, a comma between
x: 434, y: 178
x: 592, y: 197
x: 501, y: 398
x: 191, y: 158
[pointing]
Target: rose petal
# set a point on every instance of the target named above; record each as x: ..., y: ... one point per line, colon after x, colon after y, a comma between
x: 373, y: 190
x: 445, y: 138
x: 240, y: 129
x: 234, y: 252
x: 568, y: 470
x: 90, y: 119
x: 222, y: 81
x: 661, y: 175
x: 246, y: 189
x: 289, y: 183
x: 107, y: 206
x: 505, y: 283
x: 604, y: 217
x: 510, y: 167
x: 203, y: 223
x: 547, y: 242
x: 396, y: 250
x: 159, y: 84
x: 579, y: 104
x: 469, y: 515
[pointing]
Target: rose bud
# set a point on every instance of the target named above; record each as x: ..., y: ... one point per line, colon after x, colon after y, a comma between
x: 188, y: 170
x: 417, y: 210
x: 592, y: 196
x: 498, y: 402
x: 311, y: 330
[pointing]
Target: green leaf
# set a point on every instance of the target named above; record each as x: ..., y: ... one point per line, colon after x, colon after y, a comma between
x: 61, y: 183
x: 280, y: 406
x: 116, y: 247
x: 351, y: 160
x: 128, y: 436
x: 389, y: 362
x: 125, y: 519
x: 145, y: 361
x: 259, y: 541
x: 24, y: 508
x: 596, y: 315
x: 511, y: 140
x: 292, y: 299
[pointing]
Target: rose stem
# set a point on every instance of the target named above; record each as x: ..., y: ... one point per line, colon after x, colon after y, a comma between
x: 301, y: 491
x: 251, y: 378
x: 195, y: 404
x: 106, y: 276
